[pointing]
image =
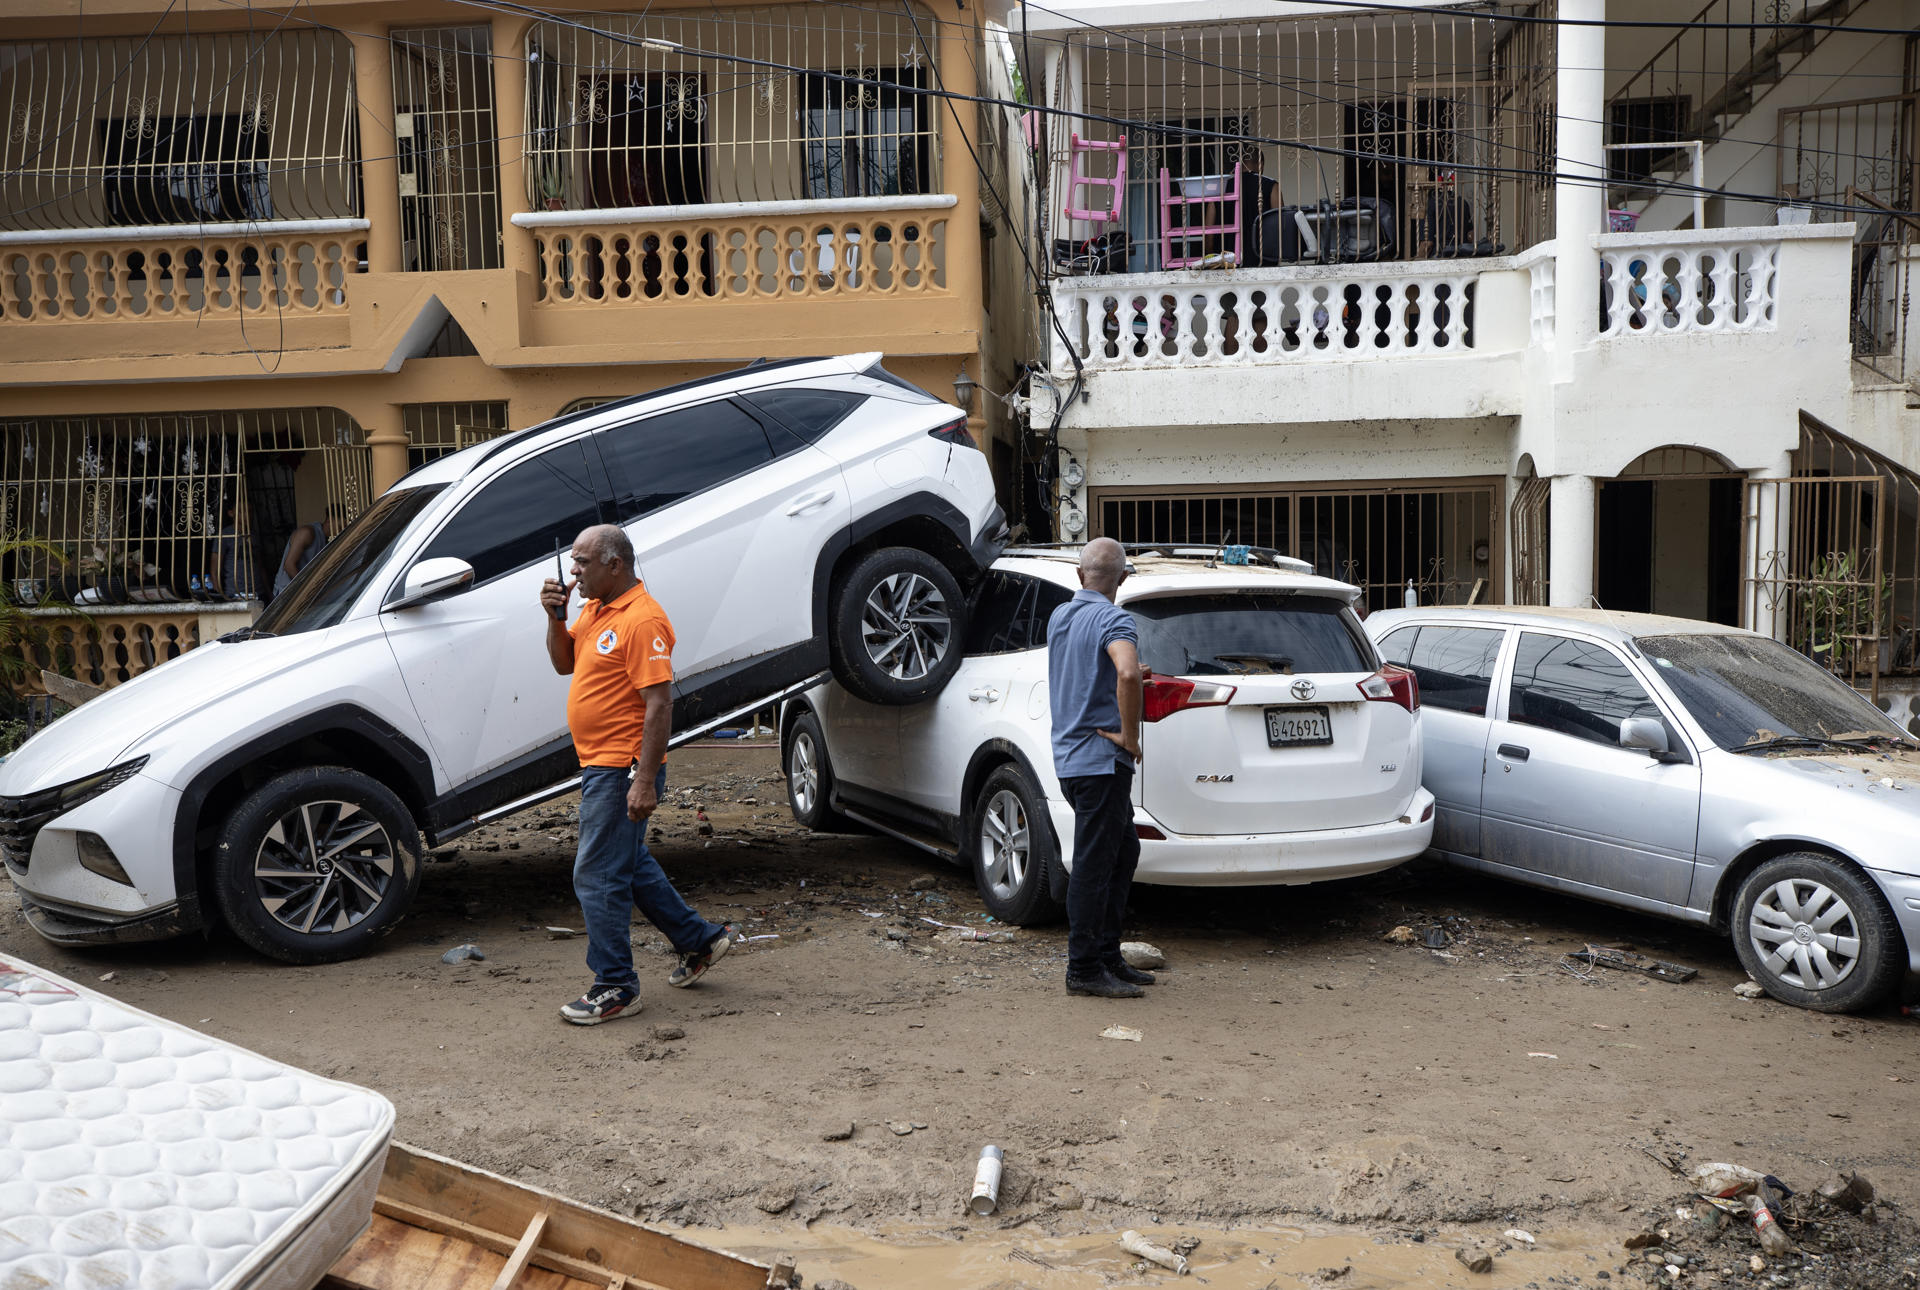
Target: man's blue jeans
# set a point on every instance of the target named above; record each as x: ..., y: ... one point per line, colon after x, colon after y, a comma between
x: 614, y: 872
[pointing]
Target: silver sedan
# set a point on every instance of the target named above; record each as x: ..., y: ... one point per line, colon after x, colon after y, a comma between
x: 1683, y: 768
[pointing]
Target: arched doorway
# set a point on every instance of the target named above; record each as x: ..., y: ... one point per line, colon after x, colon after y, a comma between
x: 1667, y: 536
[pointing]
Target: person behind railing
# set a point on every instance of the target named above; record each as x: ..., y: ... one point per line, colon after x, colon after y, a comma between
x: 305, y: 545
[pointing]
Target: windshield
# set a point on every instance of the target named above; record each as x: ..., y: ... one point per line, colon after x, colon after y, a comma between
x: 1251, y: 632
x: 1747, y: 690
x: 322, y: 593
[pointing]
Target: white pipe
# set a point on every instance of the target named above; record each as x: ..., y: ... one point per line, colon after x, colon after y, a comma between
x: 732, y: 210
x: 183, y: 232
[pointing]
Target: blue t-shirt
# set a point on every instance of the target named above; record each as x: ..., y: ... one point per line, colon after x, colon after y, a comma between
x: 1082, y: 684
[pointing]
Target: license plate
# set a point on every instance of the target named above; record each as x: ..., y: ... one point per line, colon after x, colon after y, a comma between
x: 1292, y: 727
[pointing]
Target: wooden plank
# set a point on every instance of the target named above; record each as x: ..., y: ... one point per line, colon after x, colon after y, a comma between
x: 580, y: 1241
x: 394, y: 1255
x: 579, y: 1271
x: 517, y: 1261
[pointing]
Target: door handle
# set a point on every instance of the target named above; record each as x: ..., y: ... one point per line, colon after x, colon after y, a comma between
x: 1514, y: 752
x: 809, y: 502
x: 985, y: 694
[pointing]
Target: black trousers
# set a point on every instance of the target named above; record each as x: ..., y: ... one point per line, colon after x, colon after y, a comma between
x: 1105, y: 853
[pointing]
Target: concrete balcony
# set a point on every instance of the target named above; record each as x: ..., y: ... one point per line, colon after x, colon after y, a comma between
x: 1428, y: 338
x: 1685, y: 322
x: 650, y: 284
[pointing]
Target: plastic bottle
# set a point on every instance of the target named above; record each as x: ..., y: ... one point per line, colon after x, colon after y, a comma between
x: 1772, y: 1239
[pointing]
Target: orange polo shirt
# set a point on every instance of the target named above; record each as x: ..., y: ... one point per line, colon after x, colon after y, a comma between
x: 619, y: 648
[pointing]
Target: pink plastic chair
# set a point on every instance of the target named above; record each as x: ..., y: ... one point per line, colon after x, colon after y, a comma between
x: 1199, y: 190
x: 1116, y: 187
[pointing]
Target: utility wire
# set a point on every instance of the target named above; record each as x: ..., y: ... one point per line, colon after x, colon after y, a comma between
x: 1662, y: 24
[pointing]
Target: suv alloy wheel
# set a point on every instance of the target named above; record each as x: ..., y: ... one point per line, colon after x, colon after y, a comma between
x: 1009, y: 847
x: 896, y: 624
x: 316, y: 864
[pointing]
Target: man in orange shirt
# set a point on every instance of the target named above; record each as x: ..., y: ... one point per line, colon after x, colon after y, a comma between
x: 620, y: 710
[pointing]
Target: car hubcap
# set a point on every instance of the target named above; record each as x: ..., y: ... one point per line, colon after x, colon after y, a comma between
x: 803, y: 775
x: 1805, y: 934
x: 906, y: 626
x: 1005, y: 844
x: 323, y: 866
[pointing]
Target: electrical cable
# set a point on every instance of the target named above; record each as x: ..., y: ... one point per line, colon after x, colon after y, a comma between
x: 1042, y: 291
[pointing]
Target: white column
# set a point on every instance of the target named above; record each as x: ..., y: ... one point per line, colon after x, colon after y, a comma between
x: 1579, y: 203
x: 1769, y: 524
x: 1570, y: 524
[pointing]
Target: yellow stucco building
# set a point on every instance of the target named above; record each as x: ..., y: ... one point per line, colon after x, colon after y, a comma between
x: 257, y: 262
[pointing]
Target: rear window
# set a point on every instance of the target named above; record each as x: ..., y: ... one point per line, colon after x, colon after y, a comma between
x: 1249, y: 632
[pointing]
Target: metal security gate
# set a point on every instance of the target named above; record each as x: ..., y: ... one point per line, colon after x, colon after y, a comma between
x: 1527, y: 521
x: 1442, y: 538
x: 1814, y: 573
x: 445, y: 139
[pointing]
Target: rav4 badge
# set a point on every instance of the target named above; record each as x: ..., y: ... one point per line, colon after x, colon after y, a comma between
x: 1213, y: 779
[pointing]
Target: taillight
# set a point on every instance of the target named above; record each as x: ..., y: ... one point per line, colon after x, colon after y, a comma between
x: 1392, y: 685
x: 1147, y: 833
x: 1166, y: 695
x: 956, y: 434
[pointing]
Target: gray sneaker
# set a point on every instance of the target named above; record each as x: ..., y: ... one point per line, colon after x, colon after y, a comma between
x: 692, y: 967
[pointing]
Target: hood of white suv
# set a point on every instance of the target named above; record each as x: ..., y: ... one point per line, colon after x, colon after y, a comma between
x: 100, y: 732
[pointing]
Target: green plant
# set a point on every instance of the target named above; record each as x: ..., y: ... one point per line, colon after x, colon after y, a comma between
x: 1840, y: 609
x: 21, y: 630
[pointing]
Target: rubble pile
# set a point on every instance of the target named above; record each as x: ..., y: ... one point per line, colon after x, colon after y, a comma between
x: 1838, y: 1236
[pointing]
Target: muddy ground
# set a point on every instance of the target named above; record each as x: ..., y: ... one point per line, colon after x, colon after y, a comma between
x: 1294, y: 1066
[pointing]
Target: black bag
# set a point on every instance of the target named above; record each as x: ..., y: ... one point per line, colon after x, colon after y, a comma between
x: 1106, y: 253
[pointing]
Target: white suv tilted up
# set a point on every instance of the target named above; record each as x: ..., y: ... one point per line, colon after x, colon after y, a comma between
x: 790, y: 517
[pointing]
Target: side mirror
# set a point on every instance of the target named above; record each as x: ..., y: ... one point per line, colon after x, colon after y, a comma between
x: 430, y: 580
x: 1644, y: 733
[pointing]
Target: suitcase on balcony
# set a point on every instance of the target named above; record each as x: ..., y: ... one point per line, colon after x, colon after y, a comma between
x: 1355, y: 230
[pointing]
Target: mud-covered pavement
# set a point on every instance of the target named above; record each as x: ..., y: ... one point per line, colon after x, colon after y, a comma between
x: 1296, y: 1070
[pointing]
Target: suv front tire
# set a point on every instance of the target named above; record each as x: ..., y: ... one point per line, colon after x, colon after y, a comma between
x: 896, y: 624
x: 316, y: 864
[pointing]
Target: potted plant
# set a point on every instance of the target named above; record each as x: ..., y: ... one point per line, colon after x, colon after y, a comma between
x: 550, y: 177
x: 1838, y: 607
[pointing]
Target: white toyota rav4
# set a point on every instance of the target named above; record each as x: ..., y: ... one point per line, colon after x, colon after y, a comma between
x: 1275, y: 746
x: 790, y: 517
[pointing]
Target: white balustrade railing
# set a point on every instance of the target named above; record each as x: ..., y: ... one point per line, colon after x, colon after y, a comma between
x: 1253, y: 316
x: 1667, y: 284
x: 1539, y: 264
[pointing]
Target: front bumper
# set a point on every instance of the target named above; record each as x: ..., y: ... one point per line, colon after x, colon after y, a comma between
x: 993, y: 539
x: 1903, y: 893
x: 74, y: 927
x: 1283, y: 859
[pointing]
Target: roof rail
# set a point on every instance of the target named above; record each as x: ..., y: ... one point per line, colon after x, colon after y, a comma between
x: 1170, y: 551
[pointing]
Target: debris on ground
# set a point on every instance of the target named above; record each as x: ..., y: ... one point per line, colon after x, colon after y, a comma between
x: 1140, y: 1247
x: 1832, y: 1238
x: 561, y: 933
x: 1122, y: 1032
x: 460, y: 953
x: 1402, y: 935
x: 1139, y: 954
x: 1628, y: 961
x: 837, y: 1132
x: 1750, y: 990
x: 1518, y: 1235
x: 1437, y: 938
x: 925, y: 882
x: 1475, y: 1260
x: 901, y: 1128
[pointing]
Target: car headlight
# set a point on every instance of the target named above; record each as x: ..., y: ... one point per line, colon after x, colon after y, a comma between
x: 51, y: 802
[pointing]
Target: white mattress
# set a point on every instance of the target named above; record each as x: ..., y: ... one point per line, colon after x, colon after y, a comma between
x: 137, y: 1153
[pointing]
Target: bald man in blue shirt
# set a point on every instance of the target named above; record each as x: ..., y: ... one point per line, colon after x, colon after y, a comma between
x: 1094, y: 687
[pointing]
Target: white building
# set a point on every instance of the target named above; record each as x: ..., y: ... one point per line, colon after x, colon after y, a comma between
x: 1475, y: 385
